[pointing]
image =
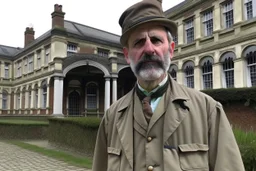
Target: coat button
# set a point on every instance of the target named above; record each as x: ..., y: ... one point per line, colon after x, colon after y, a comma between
x: 150, y: 168
x: 149, y: 139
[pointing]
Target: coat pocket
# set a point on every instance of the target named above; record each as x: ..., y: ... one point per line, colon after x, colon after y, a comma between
x: 114, y: 159
x: 194, y: 157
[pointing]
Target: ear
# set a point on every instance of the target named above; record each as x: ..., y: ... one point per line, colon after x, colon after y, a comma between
x: 125, y: 51
x: 171, y: 49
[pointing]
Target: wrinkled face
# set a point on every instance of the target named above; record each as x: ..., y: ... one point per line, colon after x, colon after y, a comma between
x: 149, y: 53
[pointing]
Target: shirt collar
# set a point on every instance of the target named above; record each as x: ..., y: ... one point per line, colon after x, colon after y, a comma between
x: 155, y: 89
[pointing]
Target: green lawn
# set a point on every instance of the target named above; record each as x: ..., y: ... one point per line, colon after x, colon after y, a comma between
x: 23, y: 122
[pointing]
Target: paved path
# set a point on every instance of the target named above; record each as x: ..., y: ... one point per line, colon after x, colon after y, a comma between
x: 14, y: 158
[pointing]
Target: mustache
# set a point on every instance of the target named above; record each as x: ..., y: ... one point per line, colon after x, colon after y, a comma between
x: 149, y: 58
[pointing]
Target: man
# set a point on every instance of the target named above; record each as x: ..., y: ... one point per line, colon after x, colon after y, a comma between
x: 180, y: 128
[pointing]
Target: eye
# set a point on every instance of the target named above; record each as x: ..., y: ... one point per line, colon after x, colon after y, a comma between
x: 155, y: 40
x: 139, y: 42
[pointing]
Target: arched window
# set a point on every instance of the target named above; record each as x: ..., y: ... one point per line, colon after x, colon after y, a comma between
x: 18, y: 99
x: 36, y: 97
x: 250, y: 54
x: 206, y: 65
x: 173, y: 71
x: 91, y: 92
x: 74, y: 103
x: 44, y: 95
x: 29, y: 97
x: 23, y: 98
x: 227, y: 61
x: 5, y: 100
x: 189, y: 74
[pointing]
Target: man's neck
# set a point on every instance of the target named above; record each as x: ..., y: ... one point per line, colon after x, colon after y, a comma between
x: 152, y: 84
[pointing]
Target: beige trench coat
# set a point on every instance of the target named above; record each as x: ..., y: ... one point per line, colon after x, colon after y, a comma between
x: 199, y: 135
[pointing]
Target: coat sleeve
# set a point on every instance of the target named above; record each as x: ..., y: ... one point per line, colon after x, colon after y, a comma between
x: 100, y: 157
x: 224, y: 153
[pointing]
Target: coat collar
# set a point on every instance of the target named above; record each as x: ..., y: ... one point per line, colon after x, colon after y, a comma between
x: 178, y: 92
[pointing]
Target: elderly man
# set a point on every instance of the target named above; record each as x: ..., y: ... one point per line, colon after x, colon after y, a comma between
x: 161, y: 125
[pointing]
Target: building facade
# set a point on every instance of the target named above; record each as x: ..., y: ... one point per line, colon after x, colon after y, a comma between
x: 74, y: 69
x: 215, y: 43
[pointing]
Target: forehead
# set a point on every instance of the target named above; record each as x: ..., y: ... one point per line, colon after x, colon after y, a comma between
x: 149, y: 29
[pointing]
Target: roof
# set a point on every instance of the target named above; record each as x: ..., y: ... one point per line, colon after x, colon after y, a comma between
x: 182, y: 7
x: 8, y: 52
x: 92, y: 34
x: 175, y: 7
x: 72, y: 28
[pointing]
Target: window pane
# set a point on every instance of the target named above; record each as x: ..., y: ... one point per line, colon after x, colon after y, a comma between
x: 228, y: 68
x: 207, y: 75
x: 92, y: 96
x: 189, y: 76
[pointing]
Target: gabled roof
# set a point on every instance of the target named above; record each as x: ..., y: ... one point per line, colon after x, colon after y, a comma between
x: 8, y: 52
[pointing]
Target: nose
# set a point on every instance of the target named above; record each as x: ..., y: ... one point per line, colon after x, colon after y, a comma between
x: 149, y: 47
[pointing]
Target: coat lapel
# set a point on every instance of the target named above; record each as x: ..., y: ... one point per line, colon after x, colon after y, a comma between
x: 175, y: 114
x: 125, y: 126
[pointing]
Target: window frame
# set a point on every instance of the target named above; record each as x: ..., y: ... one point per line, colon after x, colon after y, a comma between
x: 5, y: 100
x: 189, y: 28
x: 225, y: 59
x: 6, y: 70
x: 189, y: 64
x: 208, y: 60
x: 228, y: 9
x: 253, y: 9
x: 71, y: 49
x: 208, y: 22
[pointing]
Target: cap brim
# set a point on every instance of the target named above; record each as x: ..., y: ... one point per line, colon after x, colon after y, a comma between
x: 170, y: 25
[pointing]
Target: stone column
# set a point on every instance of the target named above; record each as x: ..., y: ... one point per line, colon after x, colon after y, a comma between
x: 39, y: 100
x: 240, y: 74
x: 180, y: 76
x: 107, y: 94
x: 14, y: 101
x: 58, y: 96
x: 216, y: 76
x: 48, y: 96
x: 26, y: 99
x: 114, y: 89
x: 47, y: 99
x: 197, y: 78
x: 9, y: 102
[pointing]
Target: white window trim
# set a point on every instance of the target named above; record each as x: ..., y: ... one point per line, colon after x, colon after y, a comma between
x: 253, y: 8
x: 227, y: 9
x: 207, y: 16
x: 6, y: 71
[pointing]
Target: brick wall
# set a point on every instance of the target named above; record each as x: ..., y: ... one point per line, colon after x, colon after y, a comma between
x: 241, y: 116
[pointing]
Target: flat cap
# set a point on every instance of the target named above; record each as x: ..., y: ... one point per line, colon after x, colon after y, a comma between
x: 143, y: 12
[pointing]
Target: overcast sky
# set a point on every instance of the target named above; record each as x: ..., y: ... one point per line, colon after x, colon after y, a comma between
x: 16, y: 15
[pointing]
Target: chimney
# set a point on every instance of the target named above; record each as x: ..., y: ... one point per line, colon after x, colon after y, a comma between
x: 58, y: 16
x: 29, y: 35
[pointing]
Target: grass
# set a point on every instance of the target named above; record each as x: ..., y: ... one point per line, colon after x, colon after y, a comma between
x: 63, y: 156
x: 23, y: 122
x: 244, y: 138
